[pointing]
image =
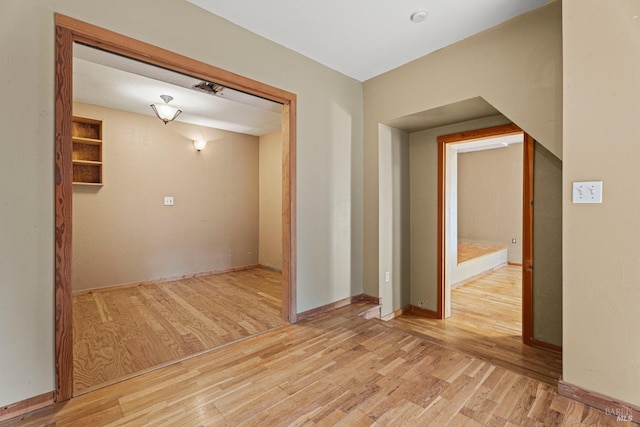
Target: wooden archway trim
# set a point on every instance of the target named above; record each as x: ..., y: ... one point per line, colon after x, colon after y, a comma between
x: 69, y: 31
x: 527, y: 218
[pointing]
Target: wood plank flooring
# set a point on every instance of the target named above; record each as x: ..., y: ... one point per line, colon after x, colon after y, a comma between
x: 486, y: 322
x: 121, y: 332
x: 334, y: 369
x: 469, y: 251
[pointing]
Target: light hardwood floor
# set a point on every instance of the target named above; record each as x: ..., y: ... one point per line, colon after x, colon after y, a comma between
x: 469, y: 251
x: 121, y: 332
x: 334, y: 369
x: 486, y: 322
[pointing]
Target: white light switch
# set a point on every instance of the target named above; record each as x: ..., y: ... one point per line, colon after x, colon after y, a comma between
x: 168, y: 200
x: 587, y: 192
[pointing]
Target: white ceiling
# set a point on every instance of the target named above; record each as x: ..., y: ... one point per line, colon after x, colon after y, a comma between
x: 113, y: 81
x: 365, y: 38
x: 358, y: 38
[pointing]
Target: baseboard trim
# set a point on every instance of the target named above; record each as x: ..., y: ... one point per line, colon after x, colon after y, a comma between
x: 337, y: 304
x: 622, y: 410
x: 411, y: 309
x: 399, y: 312
x: 25, y: 406
x: 270, y: 268
x: 329, y: 307
x: 534, y: 342
x: 419, y: 311
x: 517, y: 264
x: 163, y: 280
x: 371, y: 299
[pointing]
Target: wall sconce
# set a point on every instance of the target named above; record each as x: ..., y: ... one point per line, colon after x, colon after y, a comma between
x: 199, y: 144
x: 166, y: 112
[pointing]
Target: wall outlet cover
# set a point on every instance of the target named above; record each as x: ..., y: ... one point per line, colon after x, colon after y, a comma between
x: 587, y: 192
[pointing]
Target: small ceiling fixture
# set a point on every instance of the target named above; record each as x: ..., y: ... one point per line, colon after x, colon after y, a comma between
x: 199, y: 144
x: 210, y: 87
x: 419, y: 16
x: 166, y: 112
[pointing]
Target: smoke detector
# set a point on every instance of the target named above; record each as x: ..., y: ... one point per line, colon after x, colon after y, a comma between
x: 418, y: 16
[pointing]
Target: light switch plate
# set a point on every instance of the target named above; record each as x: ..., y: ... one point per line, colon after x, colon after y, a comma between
x: 587, y: 192
x: 168, y: 200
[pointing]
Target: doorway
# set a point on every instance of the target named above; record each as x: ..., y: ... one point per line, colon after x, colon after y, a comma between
x: 70, y: 31
x: 448, y: 147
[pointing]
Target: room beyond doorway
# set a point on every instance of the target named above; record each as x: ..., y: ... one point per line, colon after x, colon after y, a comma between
x: 484, y: 206
x: 70, y: 31
x: 447, y: 212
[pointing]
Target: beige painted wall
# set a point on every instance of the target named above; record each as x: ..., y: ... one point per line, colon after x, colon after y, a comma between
x: 329, y: 162
x: 423, y: 184
x: 270, y: 229
x: 516, y: 67
x: 395, y: 232
x: 490, y: 198
x: 600, y: 242
x: 123, y: 233
x: 547, y: 246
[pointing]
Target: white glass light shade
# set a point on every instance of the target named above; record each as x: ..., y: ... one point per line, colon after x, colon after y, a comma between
x: 199, y: 144
x: 166, y: 112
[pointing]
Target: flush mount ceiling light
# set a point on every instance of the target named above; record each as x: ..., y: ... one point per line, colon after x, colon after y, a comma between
x: 419, y: 16
x: 166, y: 112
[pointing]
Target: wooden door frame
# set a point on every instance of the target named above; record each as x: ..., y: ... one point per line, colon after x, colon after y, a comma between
x: 69, y: 31
x: 527, y: 218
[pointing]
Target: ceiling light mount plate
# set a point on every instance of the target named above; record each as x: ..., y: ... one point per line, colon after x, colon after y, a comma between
x: 419, y: 16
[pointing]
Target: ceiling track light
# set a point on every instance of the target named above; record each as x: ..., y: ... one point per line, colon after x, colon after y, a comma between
x: 166, y: 112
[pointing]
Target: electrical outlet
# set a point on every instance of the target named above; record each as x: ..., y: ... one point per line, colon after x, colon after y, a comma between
x: 514, y: 241
x: 387, y: 276
x: 420, y: 303
x: 168, y: 200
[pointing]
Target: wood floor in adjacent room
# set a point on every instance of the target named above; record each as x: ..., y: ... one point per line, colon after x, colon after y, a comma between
x: 486, y: 322
x: 121, y: 332
x: 334, y: 369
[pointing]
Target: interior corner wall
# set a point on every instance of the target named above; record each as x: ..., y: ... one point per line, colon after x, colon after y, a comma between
x: 270, y: 229
x: 394, y: 219
x: 329, y: 161
x: 122, y: 232
x: 423, y: 184
x: 547, y: 246
x: 601, y: 255
x: 516, y: 67
x: 490, y: 198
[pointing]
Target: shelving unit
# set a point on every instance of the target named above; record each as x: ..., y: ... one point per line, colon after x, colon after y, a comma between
x: 86, y: 137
